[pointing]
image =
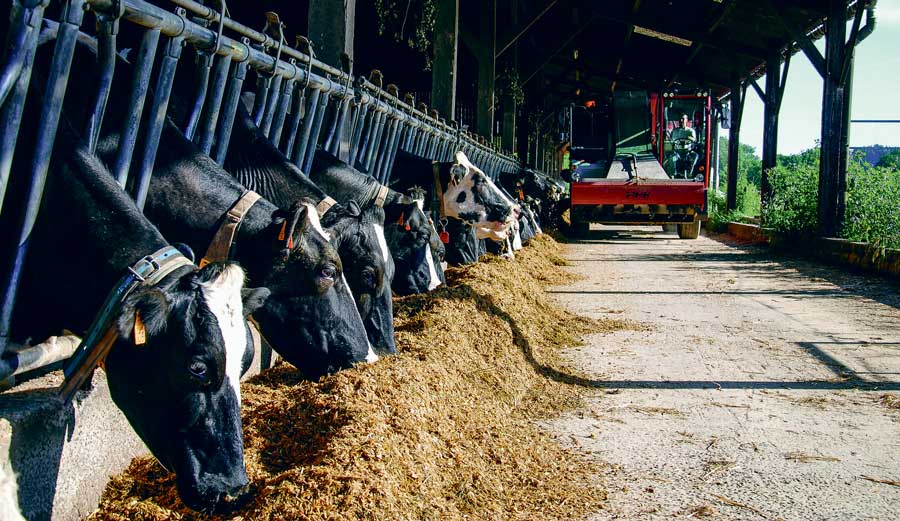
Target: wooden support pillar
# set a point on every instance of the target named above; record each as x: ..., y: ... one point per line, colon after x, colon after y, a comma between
x: 485, y: 106
x: 833, y: 159
x: 331, y: 26
x: 443, y: 70
x: 508, y: 139
x: 775, y: 82
x: 736, y: 98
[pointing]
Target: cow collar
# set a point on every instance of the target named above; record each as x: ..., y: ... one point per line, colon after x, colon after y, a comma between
x: 381, y: 196
x: 148, y: 271
x: 325, y: 205
x: 220, y: 248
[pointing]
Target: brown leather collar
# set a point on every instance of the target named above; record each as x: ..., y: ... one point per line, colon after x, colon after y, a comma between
x: 325, y: 205
x: 381, y: 196
x: 220, y: 247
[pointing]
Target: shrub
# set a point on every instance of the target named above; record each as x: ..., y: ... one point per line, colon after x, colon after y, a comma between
x: 793, y: 207
x: 873, y: 205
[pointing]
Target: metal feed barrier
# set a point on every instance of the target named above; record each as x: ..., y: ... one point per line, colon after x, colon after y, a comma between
x: 301, y: 103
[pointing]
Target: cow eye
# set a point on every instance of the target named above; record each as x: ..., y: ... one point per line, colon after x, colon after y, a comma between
x: 198, y: 370
x: 368, y: 278
x: 328, y: 272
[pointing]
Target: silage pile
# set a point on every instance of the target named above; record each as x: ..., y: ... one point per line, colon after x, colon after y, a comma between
x: 444, y: 430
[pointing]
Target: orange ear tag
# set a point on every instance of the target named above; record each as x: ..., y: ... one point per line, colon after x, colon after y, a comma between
x: 203, y: 262
x: 521, y: 195
x: 291, y: 242
x: 140, y: 332
x: 283, y: 228
x: 408, y: 228
x: 400, y: 220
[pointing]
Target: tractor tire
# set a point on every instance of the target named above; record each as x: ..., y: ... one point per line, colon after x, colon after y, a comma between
x: 580, y: 229
x: 689, y: 230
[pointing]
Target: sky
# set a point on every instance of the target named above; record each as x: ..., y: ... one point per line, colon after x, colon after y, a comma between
x: 875, y: 86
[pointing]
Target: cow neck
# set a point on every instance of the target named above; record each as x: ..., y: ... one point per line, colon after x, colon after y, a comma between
x: 188, y: 199
x: 107, y: 219
x: 343, y: 182
x: 259, y: 166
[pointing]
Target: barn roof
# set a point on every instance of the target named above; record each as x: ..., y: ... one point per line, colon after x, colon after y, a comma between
x: 580, y: 48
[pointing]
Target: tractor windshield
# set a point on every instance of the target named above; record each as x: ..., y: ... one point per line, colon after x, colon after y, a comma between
x: 685, y: 137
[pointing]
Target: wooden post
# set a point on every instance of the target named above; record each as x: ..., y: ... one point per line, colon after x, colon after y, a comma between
x: 331, y: 26
x: 484, y: 123
x: 775, y: 79
x: 443, y: 71
x: 833, y: 159
x: 508, y: 139
x: 736, y: 98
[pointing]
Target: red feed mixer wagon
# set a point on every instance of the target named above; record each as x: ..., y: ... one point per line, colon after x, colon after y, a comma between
x: 641, y: 158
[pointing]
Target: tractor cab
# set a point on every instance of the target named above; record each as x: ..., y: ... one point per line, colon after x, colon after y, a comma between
x: 642, y: 158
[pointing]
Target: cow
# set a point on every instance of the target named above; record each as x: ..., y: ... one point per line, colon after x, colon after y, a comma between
x: 406, y: 227
x: 180, y: 345
x: 468, y: 199
x: 418, y: 269
x: 257, y: 163
x: 467, y: 193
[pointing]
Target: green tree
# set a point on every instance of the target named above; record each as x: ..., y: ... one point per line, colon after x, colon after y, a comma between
x: 891, y: 160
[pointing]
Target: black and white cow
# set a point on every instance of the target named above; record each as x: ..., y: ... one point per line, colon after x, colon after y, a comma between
x: 178, y: 386
x: 254, y: 161
x: 418, y: 269
x: 471, y: 202
x: 406, y: 227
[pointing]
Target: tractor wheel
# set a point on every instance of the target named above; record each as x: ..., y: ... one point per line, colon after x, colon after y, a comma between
x: 689, y: 230
x: 580, y: 229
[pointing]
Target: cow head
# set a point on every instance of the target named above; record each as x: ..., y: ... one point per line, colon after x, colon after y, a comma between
x: 471, y: 196
x: 359, y: 238
x: 179, y: 385
x: 413, y: 241
x: 311, y: 316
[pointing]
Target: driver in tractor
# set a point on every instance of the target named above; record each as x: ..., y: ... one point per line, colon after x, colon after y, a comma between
x: 684, y: 140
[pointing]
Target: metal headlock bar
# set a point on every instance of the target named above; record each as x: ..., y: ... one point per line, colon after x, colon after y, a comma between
x: 301, y: 103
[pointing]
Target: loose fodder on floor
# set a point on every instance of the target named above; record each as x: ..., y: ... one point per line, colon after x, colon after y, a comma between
x: 443, y: 430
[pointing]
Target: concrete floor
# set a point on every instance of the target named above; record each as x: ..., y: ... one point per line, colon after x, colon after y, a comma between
x: 757, y: 393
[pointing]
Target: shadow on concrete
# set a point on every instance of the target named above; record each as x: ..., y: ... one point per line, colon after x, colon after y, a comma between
x: 40, y: 428
x: 751, y: 261
x: 846, y: 379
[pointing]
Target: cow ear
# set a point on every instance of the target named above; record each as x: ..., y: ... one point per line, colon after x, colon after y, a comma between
x: 253, y: 299
x: 144, y: 312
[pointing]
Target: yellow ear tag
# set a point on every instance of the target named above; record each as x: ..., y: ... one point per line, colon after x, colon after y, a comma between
x: 203, y: 262
x: 140, y: 332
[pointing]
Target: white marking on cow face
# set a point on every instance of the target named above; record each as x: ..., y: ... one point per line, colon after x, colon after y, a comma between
x: 379, y: 233
x: 223, y: 297
x: 516, y: 236
x: 371, y: 357
x: 459, y: 199
x: 433, y: 279
x: 313, y: 216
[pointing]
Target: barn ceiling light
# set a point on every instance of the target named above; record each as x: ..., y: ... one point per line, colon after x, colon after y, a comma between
x: 662, y: 36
